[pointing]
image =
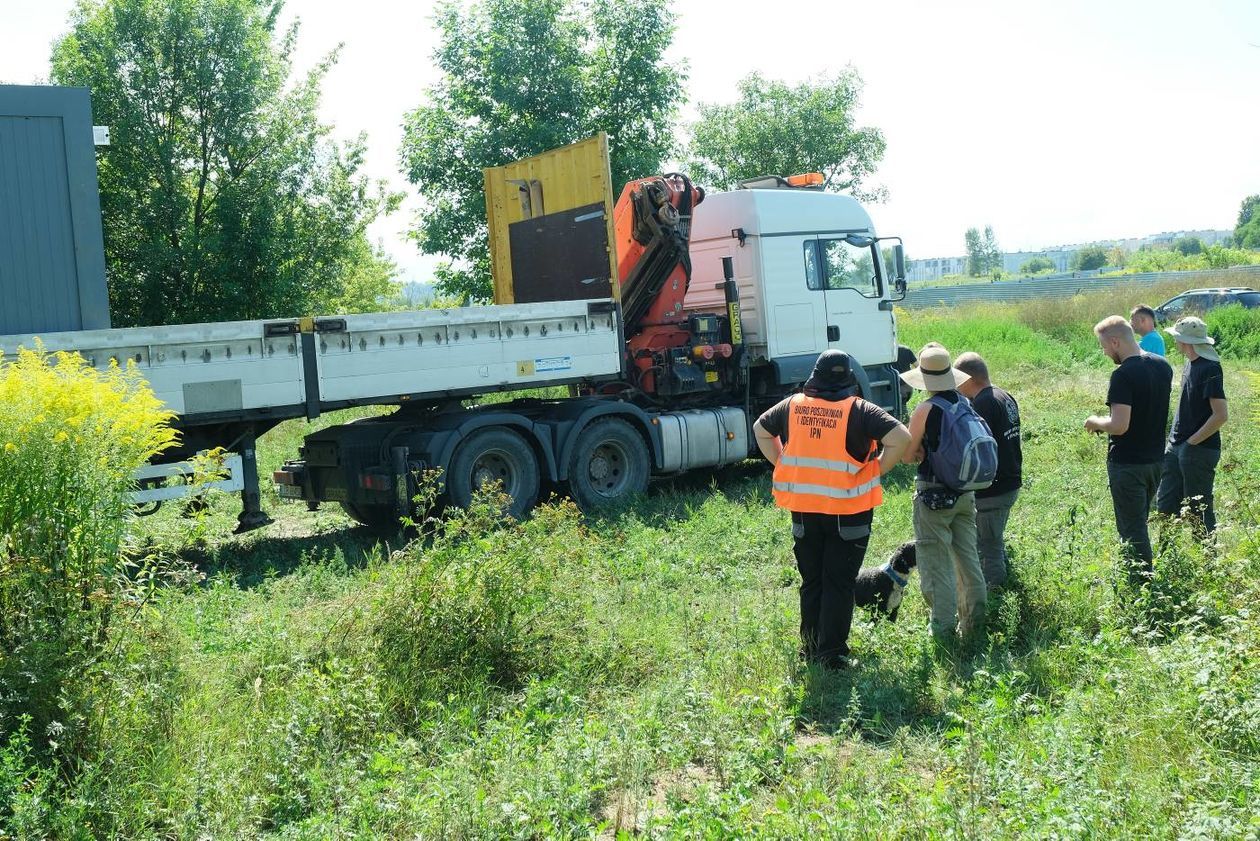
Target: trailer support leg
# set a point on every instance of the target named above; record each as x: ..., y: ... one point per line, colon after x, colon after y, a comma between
x: 252, y: 516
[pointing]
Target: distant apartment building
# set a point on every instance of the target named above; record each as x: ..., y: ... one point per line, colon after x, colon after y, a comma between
x: 934, y: 268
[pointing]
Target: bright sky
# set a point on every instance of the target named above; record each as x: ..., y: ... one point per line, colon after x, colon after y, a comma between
x: 1055, y: 121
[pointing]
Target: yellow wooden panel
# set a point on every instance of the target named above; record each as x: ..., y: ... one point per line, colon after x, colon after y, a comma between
x: 571, y: 176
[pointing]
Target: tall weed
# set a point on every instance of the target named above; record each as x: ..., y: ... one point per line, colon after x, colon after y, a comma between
x: 70, y: 439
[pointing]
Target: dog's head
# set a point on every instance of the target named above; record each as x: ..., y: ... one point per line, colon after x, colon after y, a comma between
x: 904, y: 559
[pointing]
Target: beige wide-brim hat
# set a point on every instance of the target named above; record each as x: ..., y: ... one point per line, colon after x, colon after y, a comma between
x: 935, y: 372
x: 1193, y: 331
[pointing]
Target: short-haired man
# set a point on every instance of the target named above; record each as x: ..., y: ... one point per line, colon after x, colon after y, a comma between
x: 1138, y: 395
x: 994, y: 503
x: 1142, y: 320
x: 1194, y: 443
x: 824, y: 445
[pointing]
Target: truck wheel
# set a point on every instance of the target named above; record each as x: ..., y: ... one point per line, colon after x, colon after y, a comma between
x: 493, y: 455
x: 382, y: 519
x: 610, y: 463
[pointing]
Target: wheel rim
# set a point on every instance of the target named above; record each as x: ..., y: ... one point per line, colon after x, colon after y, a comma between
x: 497, y: 466
x: 607, y: 469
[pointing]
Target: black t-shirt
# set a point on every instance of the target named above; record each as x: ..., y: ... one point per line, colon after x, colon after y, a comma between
x: 932, y: 433
x: 867, y: 423
x: 1001, y: 413
x: 1201, y: 380
x: 1144, y: 383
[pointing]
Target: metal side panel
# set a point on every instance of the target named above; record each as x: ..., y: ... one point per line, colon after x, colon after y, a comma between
x: 192, y: 368
x: 438, y: 351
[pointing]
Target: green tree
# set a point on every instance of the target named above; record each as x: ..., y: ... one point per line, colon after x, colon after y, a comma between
x: 1187, y: 246
x: 1037, y: 265
x: 778, y: 129
x: 984, y: 256
x: 520, y: 77
x: 976, y: 259
x: 1088, y: 258
x: 222, y: 195
x: 992, y: 252
x: 1247, y: 231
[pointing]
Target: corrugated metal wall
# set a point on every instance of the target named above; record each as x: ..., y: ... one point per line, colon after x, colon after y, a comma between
x: 52, y: 269
x: 1065, y: 287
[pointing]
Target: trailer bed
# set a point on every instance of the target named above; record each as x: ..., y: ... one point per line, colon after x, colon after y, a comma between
x: 243, y: 370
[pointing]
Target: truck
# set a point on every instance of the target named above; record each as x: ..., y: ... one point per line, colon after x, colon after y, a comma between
x: 659, y: 326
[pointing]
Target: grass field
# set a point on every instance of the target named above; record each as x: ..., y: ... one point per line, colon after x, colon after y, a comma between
x: 637, y: 674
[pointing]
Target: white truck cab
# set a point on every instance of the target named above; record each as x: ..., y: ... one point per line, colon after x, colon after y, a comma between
x: 810, y: 276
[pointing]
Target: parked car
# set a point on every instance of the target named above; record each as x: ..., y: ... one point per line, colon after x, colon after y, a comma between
x: 1199, y: 301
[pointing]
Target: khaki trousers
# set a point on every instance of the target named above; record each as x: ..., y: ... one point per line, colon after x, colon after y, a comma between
x: 950, y: 574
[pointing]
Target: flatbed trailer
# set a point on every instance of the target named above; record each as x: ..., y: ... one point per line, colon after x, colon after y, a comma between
x: 230, y: 382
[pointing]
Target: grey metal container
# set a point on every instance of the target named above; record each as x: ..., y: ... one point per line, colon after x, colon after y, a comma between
x: 52, y: 254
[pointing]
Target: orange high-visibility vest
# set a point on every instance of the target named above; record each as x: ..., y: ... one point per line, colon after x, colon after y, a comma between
x: 815, y: 473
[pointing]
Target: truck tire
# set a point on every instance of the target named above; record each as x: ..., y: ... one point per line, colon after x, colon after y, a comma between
x: 495, y: 454
x: 610, y: 464
x: 382, y: 519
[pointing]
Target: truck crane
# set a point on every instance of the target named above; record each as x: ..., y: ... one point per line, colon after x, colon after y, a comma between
x: 673, y: 318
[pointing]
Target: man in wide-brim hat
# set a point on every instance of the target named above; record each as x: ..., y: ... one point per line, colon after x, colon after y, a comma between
x: 1194, y: 442
x: 950, y: 574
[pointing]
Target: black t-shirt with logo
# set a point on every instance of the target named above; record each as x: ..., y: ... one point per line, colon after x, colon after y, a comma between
x: 1202, y: 380
x: 1144, y: 383
x: 867, y: 422
x: 1001, y: 413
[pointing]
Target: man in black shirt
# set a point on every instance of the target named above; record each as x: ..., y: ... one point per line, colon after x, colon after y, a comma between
x: 1138, y: 396
x: 1194, y: 444
x: 824, y: 446
x: 994, y: 503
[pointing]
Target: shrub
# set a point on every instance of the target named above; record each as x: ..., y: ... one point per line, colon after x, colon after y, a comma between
x: 1236, y: 330
x: 1037, y: 265
x: 70, y: 439
x: 489, y: 606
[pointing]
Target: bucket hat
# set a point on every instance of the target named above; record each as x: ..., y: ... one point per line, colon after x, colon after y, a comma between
x: 1193, y: 331
x: 935, y: 372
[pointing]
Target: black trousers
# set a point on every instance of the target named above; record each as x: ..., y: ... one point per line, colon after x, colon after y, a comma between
x: 828, y: 556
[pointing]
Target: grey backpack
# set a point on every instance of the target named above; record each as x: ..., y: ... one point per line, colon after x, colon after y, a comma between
x: 967, y: 457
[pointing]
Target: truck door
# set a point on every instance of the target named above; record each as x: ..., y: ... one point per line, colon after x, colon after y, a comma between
x: 858, y: 318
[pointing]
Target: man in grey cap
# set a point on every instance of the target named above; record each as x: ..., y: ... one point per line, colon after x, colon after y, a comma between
x: 1194, y: 443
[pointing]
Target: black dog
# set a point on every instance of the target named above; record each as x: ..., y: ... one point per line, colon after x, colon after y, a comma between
x: 881, y: 588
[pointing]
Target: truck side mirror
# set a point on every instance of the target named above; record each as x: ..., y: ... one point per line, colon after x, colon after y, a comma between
x: 899, y: 269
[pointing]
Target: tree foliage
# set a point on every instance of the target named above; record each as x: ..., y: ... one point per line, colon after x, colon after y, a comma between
x: 1037, y: 265
x: 222, y: 195
x: 1247, y: 231
x: 1187, y: 245
x: 778, y: 129
x: 1089, y: 258
x: 520, y: 77
x: 984, y: 256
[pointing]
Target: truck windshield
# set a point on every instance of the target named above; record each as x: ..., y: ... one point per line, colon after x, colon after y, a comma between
x: 835, y: 264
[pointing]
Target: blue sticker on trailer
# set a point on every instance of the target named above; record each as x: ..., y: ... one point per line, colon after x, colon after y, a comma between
x: 553, y: 363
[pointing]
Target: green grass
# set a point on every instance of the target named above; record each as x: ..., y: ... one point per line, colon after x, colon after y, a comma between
x: 637, y: 674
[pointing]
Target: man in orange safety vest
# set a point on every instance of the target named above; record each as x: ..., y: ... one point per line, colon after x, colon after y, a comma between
x: 825, y: 446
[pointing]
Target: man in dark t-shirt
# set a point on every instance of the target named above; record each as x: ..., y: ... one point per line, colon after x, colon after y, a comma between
x: 1138, y: 396
x: 824, y: 444
x: 1194, y: 444
x: 994, y: 503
